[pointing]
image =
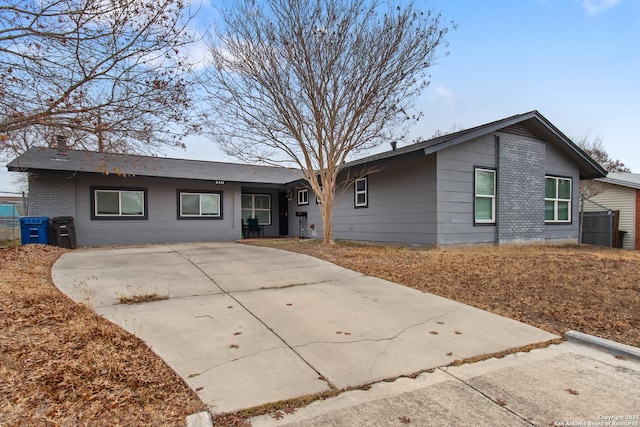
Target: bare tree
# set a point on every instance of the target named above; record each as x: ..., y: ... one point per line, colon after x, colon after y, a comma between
x: 594, y: 147
x: 452, y: 129
x: 312, y: 82
x: 108, y: 74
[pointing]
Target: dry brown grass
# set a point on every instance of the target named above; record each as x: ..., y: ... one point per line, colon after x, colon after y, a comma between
x: 591, y: 289
x: 140, y: 298
x: 62, y: 364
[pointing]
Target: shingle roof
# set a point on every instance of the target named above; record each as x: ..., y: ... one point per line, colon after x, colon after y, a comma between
x: 533, y: 120
x: 49, y: 159
x: 631, y: 180
x: 118, y: 164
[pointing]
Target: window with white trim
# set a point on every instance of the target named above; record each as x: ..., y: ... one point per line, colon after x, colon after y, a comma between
x: 303, y: 196
x: 557, y: 200
x: 361, y: 189
x: 256, y: 206
x: 118, y: 203
x: 484, y: 209
x: 192, y: 204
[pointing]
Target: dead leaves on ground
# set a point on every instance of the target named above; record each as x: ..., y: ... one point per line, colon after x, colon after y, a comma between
x: 62, y: 364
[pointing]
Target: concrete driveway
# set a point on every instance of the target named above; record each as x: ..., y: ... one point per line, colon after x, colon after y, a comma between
x: 246, y: 325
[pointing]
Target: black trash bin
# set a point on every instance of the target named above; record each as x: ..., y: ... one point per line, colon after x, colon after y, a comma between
x: 621, y: 238
x: 64, y: 232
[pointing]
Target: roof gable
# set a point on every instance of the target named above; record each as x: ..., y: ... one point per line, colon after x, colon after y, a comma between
x: 533, y: 121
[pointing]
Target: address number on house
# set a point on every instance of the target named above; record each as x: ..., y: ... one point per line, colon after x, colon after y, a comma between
x: 219, y: 182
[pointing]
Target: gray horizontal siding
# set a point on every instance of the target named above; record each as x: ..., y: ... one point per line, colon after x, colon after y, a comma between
x: 162, y: 225
x: 401, y: 205
x: 455, y: 167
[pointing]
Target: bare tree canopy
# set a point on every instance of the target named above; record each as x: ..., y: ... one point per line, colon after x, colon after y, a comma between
x: 312, y: 82
x: 108, y: 74
x: 594, y: 147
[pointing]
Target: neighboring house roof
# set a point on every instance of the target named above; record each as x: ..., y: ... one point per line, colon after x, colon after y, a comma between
x: 631, y: 180
x: 533, y: 121
x: 52, y: 159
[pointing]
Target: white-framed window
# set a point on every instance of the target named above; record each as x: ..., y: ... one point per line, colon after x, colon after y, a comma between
x: 196, y: 204
x: 484, y: 209
x: 361, y: 190
x: 557, y: 199
x: 256, y: 206
x: 118, y: 203
x: 318, y: 200
x: 303, y: 196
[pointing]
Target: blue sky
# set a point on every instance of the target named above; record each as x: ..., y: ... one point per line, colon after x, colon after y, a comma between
x: 575, y: 61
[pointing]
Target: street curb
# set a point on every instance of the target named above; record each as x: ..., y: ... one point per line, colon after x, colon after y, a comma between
x: 201, y: 419
x: 606, y: 345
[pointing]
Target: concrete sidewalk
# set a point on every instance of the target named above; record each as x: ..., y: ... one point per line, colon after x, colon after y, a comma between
x: 562, y: 385
x: 247, y: 325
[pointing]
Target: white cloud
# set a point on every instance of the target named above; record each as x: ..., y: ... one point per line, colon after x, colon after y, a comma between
x: 596, y: 7
x: 445, y: 97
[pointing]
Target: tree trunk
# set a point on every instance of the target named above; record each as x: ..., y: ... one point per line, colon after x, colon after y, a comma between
x: 327, y: 224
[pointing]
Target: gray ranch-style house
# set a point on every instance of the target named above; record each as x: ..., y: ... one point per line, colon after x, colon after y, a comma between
x: 512, y: 180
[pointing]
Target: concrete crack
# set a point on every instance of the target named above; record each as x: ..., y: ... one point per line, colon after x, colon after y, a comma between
x: 270, y: 329
x: 392, y: 338
x: 234, y: 360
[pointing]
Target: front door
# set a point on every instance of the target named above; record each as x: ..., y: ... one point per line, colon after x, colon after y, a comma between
x: 283, y: 213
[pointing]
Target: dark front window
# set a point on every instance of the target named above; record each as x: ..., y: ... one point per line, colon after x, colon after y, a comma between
x: 256, y: 206
x: 193, y: 204
x: 361, y: 189
x: 118, y: 203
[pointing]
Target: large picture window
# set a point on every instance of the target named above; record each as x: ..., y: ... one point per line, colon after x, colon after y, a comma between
x: 557, y: 199
x: 485, y: 196
x: 361, y: 193
x: 118, y: 203
x: 193, y: 204
x: 256, y: 206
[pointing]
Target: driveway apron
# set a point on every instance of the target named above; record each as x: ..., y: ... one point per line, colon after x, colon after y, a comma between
x: 246, y: 325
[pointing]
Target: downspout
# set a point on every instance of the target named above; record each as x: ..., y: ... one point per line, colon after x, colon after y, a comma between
x: 581, y: 219
x: 610, y: 213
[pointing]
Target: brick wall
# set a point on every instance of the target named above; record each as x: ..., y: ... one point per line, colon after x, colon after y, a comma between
x: 51, y: 195
x: 520, y: 189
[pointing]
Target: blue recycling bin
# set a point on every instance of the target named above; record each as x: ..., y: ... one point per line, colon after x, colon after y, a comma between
x: 34, y: 229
